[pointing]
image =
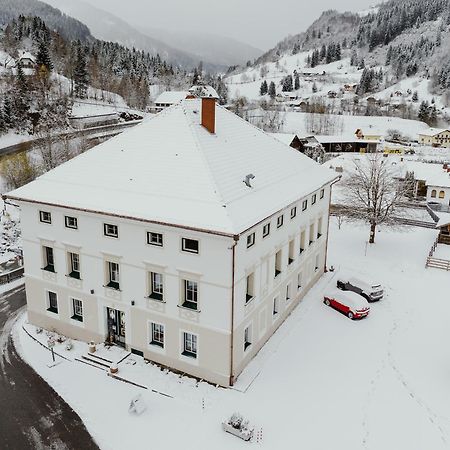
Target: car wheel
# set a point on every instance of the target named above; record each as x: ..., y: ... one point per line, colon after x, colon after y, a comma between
x: 350, y: 315
x: 327, y: 302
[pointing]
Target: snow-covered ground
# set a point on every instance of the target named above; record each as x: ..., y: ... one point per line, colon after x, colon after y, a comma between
x: 322, y: 380
x: 296, y: 122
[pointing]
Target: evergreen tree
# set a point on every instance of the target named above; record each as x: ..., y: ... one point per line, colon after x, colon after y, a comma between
x: 80, y: 74
x: 424, y: 114
x: 415, y: 96
x: 264, y: 88
x: 314, y: 87
x: 272, y: 90
x: 354, y: 58
x: 296, y: 81
x: 287, y: 84
x: 43, y: 57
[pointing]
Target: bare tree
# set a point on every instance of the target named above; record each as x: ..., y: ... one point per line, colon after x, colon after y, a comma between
x: 373, y: 192
x: 17, y: 170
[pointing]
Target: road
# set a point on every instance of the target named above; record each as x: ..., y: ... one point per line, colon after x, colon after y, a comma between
x: 100, y: 131
x: 32, y: 415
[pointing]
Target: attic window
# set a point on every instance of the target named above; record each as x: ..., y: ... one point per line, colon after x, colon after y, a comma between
x: 248, y: 178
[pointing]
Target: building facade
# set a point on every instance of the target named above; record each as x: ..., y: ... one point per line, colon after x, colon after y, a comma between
x: 435, y: 137
x: 200, y: 295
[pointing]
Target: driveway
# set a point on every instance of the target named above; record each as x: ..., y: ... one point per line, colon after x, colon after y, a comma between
x: 32, y: 414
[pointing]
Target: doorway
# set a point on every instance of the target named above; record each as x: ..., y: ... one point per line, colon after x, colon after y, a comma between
x: 116, y: 326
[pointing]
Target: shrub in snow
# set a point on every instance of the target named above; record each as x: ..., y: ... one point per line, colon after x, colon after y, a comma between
x: 38, y: 330
x: 238, y: 426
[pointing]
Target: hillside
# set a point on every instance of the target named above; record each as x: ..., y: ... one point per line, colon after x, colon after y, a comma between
x: 108, y: 27
x: 406, y: 74
x: 68, y: 27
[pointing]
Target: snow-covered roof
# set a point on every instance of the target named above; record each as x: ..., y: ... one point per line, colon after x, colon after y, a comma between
x: 343, y: 138
x: 171, y: 97
x: 431, y: 174
x: 444, y: 219
x: 285, y: 138
x: 202, y: 90
x: 432, y: 131
x: 27, y: 55
x: 171, y: 170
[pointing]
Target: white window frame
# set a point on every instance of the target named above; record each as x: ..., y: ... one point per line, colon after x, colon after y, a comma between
x: 113, y: 274
x: 322, y: 194
x: 186, y: 249
x: 250, y: 240
x: 159, y: 242
x: 77, y: 309
x: 157, y: 330
x: 107, y: 231
x: 280, y: 221
x: 313, y: 199
x: 247, y: 337
x: 275, y: 306
x: 266, y: 230
x: 74, y: 264
x: 188, y: 291
x: 74, y: 225
x: 293, y: 212
x: 156, y: 286
x: 304, y: 205
x: 49, y: 304
x: 189, y: 344
x: 42, y: 215
x: 47, y: 263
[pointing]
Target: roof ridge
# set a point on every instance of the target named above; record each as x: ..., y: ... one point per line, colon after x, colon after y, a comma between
x: 193, y: 130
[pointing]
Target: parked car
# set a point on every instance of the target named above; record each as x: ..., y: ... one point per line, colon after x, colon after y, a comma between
x: 372, y: 292
x: 349, y: 303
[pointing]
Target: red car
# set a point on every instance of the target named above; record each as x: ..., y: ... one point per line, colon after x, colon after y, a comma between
x: 349, y: 303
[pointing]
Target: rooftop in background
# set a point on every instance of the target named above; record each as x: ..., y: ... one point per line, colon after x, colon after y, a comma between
x: 171, y: 97
x: 171, y: 170
x: 433, y: 131
x: 431, y: 174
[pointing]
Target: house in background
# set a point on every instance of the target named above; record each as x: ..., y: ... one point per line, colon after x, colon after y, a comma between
x: 26, y: 60
x: 435, y: 137
x: 168, y: 98
x: 187, y: 240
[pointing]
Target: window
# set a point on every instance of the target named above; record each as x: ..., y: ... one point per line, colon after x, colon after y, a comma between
x: 304, y: 205
x: 293, y: 212
x: 288, y: 292
x: 316, y: 266
x: 277, y: 263
x: 49, y: 261
x: 322, y: 193
x: 302, y: 241
x: 266, y: 230
x: 433, y: 193
x: 190, y: 299
x: 275, y: 308
x: 250, y: 287
x: 441, y: 194
x: 311, y: 234
x: 155, y: 239
x: 113, y: 275
x: 190, y: 245
x: 247, y: 337
x: 250, y: 240
x: 319, y: 228
x: 280, y: 221
x: 291, y: 252
x: 156, y: 286
x: 189, y: 345
x: 52, y: 302
x: 299, y: 280
x: 157, y: 334
x: 313, y: 199
x: 71, y: 222
x: 45, y: 217
x: 74, y: 265
x: 77, y: 309
x: 111, y: 230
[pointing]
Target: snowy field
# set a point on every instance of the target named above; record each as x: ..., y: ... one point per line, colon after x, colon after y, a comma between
x: 323, y: 381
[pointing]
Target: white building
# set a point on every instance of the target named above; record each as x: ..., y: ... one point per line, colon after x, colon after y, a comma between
x: 169, y: 98
x: 435, y: 137
x: 188, y: 240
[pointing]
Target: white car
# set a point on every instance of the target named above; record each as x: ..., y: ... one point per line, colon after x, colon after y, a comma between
x: 371, y: 291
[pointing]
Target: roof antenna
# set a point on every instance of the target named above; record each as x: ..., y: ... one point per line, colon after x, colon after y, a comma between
x: 249, y: 177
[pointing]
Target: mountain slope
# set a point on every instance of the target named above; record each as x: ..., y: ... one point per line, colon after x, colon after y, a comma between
x: 217, y: 49
x: 55, y: 20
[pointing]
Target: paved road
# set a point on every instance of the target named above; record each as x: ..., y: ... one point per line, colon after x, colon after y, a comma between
x: 32, y: 415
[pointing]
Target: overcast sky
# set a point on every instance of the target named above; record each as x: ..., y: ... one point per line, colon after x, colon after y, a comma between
x: 257, y: 22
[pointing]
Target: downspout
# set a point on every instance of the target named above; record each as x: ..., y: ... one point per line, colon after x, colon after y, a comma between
x: 328, y: 224
x: 236, y: 239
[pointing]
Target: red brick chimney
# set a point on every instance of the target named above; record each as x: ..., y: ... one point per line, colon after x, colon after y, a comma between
x: 209, y: 114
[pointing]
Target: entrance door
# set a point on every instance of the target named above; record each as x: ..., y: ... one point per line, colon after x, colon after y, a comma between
x: 116, y: 326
